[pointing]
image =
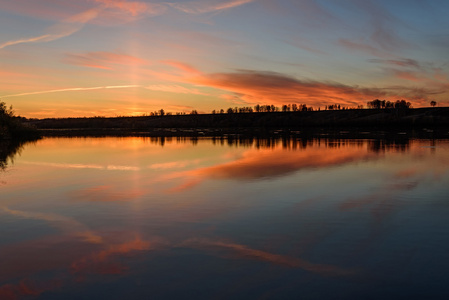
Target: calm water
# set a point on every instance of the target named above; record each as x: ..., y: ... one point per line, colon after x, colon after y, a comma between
x: 141, y: 218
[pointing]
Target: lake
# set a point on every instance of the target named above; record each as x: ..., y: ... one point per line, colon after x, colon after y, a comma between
x: 225, y: 218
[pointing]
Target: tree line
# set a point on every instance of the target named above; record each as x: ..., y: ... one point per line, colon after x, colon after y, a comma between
x: 377, y: 104
x: 12, y: 127
x: 269, y: 108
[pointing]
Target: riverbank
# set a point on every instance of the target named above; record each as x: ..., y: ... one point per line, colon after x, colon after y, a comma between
x: 420, y: 121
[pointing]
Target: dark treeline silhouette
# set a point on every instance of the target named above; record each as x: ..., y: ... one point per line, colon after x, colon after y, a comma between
x: 399, y: 114
x: 264, y: 109
x: 399, y: 104
x: 13, y: 127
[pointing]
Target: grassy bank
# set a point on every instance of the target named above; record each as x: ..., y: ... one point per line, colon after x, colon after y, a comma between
x: 251, y: 123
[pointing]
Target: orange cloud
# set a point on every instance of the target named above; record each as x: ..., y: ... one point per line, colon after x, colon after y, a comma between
x: 255, y: 87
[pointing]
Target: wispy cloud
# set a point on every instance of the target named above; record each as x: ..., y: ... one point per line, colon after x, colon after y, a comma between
x: 75, y: 89
x: 201, y: 7
x: 404, y: 62
x: 103, y: 59
x: 182, y: 66
x: 363, y: 46
x: 60, y: 30
x: 112, y: 10
x: 174, y: 89
x: 132, y: 7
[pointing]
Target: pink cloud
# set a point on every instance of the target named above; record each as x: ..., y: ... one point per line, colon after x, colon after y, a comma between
x: 132, y: 7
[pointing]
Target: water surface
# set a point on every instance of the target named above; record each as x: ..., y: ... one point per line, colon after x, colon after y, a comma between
x: 141, y: 218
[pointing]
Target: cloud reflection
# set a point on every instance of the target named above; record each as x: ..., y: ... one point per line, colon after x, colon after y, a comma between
x: 245, y: 252
x: 257, y: 164
x: 84, y: 166
x: 66, y: 224
x: 106, y: 193
x: 65, y: 261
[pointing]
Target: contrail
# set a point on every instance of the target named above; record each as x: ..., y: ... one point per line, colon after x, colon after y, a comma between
x: 75, y: 89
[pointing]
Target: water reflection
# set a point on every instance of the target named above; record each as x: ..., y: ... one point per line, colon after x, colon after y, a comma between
x: 286, y: 142
x: 8, y: 150
x: 225, y: 217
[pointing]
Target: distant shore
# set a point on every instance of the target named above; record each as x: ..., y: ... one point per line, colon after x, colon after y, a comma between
x: 420, y: 121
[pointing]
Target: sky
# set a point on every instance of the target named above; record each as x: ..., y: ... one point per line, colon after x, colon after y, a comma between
x: 65, y: 58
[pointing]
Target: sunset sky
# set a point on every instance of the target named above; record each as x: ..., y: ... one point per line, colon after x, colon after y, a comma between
x: 62, y: 58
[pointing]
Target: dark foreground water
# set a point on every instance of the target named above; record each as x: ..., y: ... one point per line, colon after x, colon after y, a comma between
x: 141, y: 218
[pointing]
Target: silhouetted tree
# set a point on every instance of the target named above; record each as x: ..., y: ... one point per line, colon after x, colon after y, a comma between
x: 374, y: 104
x: 402, y: 104
x: 11, y: 126
x: 433, y: 103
